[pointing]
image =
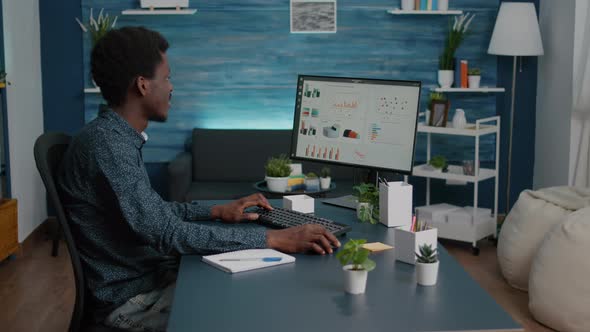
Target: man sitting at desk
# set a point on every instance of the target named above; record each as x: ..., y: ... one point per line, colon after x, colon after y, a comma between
x: 124, y: 231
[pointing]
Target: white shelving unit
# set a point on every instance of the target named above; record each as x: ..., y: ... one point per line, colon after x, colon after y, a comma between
x: 477, y: 230
x: 482, y: 89
x: 186, y: 11
x: 398, y: 11
x: 92, y: 90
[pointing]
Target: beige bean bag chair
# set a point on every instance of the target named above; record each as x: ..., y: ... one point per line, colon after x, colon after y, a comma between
x: 532, y: 216
x: 559, y: 291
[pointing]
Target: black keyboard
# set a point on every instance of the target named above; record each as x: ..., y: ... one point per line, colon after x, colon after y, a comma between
x: 283, y: 218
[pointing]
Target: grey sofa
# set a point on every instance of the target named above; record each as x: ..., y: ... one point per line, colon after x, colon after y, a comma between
x: 225, y: 164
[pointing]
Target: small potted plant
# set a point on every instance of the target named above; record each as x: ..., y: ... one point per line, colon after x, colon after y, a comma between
x: 325, y: 178
x: 3, y: 81
x: 367, y: 209
x: 427, y: 265
x: 312, y: 183
x: 356, y: 265
x: 277, y: 171
x: 438, y: 163
x: 474, y: 77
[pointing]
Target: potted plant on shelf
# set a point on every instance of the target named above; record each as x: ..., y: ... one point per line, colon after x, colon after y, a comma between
x: 427, y: 265
x: 438, y: 163
x: 325, y: 178
x: 277, y: 171
x: 367, y: 209
x: 356, y: 265
x: 312, y: 183
x: 474, y: 77
x: 446, y: 64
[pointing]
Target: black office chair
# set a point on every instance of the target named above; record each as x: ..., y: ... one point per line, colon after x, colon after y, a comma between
x: 49, y: 151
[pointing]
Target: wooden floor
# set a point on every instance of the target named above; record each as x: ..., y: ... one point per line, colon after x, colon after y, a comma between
x: 37, y: 290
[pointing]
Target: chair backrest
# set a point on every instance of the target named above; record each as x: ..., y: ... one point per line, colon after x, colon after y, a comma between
x: 49, y: 151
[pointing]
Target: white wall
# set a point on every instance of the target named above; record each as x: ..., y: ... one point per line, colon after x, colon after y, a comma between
x: 24, y: 109
x: 554, y: 94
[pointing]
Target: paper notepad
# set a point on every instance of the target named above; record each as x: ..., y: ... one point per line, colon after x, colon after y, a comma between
x: 245, y: 260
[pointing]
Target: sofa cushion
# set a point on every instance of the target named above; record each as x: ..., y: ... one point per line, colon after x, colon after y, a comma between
x: 559, y: 295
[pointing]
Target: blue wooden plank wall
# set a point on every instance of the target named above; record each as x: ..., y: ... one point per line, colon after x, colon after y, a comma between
x: 234, y: 63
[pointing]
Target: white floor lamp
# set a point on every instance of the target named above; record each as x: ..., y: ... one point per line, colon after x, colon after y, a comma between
x: 516, y: 33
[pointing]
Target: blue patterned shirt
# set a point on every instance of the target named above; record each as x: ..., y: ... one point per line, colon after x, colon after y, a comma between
x: 123, y: 229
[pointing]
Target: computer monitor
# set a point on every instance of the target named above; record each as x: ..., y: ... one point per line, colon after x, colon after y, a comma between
x: 368, y: 123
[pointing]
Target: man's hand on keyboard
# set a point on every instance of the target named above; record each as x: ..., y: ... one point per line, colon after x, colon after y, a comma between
x: 310, y: 237
x: 233, y: 212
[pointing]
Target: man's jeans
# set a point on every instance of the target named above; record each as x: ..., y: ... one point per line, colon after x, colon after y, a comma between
x: 145, y: 312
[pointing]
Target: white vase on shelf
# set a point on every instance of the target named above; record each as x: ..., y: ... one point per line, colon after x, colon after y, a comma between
x: 408, y: 4
x: 445, y: 78
x: 474, y: 81
x: 443, y: 5
x: 459, y: 120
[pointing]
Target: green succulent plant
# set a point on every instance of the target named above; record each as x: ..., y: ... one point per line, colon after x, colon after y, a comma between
x: 437, y: 96
x: 474, y: 71
x: 427, y: 255
x: 368, y: 193
x: 354, y: 253
x: 278, y: 167
x: 325, y: 172
x: 439, y: 162
x: 311, y: 175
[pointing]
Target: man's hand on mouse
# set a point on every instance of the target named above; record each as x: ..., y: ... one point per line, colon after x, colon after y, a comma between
x: 304, y: 238
x: 233, y: 212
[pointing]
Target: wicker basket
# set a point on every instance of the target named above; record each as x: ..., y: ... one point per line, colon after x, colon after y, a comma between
x: 8, y: 228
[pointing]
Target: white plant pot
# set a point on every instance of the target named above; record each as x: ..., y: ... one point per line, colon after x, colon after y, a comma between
x: 427, y: 274
x: 445, y: 78
x: 325, y: 183
x: 359, y: 206
x: 163, y: 3
x: 443, y: 5
x: 408, y: 4
x: 355, y: 281
x: 277, y: 184
x: 474, y: 81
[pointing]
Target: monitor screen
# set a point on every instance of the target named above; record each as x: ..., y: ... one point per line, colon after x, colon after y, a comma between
x: 358, y: 122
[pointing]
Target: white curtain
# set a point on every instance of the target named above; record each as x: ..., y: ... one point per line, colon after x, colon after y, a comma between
x: 581, y: 112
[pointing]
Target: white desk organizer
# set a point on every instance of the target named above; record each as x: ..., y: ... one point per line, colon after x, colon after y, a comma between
x: 395, y: 204
x: 407, y: 243
x: 300, y: 203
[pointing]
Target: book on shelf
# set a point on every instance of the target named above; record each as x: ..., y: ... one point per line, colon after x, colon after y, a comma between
x: 417, y: 4
x: 428, y: 4
x: 423, y: 4
x: 464, y: 71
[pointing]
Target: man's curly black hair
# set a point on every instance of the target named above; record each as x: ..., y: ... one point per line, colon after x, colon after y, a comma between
x: 121, y: 56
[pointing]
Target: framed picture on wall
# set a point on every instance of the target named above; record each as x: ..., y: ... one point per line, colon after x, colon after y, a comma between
x: 439, y: 111
x: 313, y: 16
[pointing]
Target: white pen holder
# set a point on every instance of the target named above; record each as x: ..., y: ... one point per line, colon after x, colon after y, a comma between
x: 300, y: 203
x: 395, y: 204
x: 407, y: 243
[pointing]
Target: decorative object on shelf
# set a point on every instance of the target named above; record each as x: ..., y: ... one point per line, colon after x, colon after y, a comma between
x: 313, y: 16
x: 427, y: 266
x: 439, y: 110
x: 325, y: 178
x: 438, y: 163
x: 468, y: 167
x: 452, y: 42
x: 516, y: 33
x: 459, y: 120
x: 443, y: 5
x: 151, y: 4
x: 367, y: 209
x: 408, y: 4
x: 474, y: 76
x: 277, y: 173
x: 312, y: 183
x: 356, y: 265
x: 3, y: 81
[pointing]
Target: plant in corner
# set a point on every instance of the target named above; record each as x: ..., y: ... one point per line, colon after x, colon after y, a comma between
x: 277, y: 170
x: 427, y: 265
x: 312, y: 183
x: 325, y: 178
x: 453, y: 40
x: 368, y: 202
x: 474, y: 77
x: 356, y: 265
x: 439, y: 163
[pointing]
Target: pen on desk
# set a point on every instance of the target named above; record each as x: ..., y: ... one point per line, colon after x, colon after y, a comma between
x: 264, y: 259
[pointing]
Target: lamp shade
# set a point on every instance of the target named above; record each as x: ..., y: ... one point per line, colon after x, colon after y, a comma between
x: 516, y: 31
